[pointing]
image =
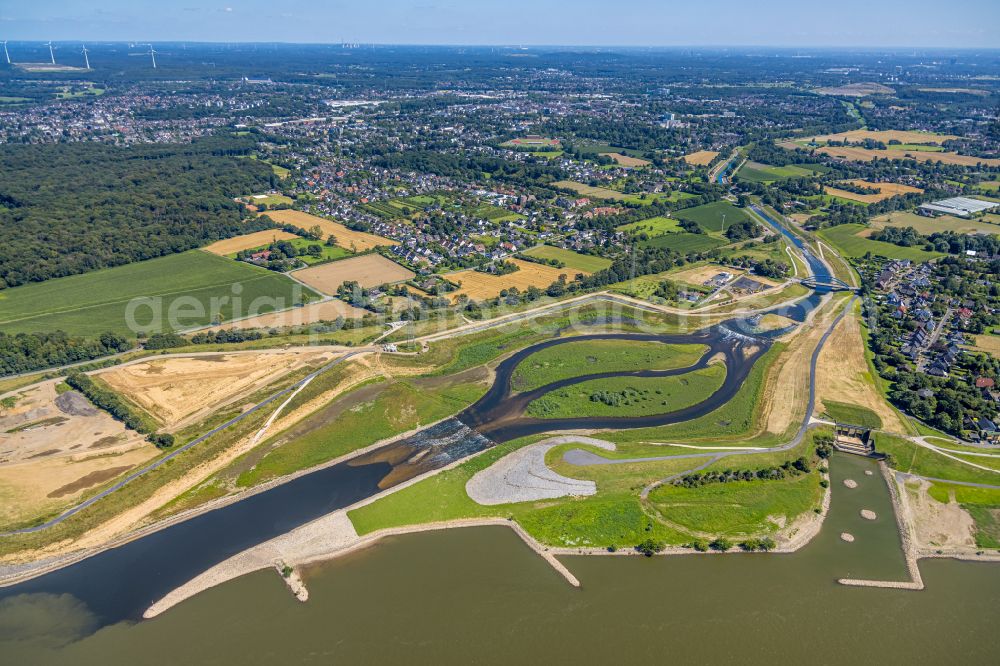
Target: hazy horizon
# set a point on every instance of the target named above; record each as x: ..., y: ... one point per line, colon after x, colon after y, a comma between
x: 963, y: 24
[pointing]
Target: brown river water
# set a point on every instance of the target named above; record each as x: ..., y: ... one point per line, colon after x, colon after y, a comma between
x: 481, y: 596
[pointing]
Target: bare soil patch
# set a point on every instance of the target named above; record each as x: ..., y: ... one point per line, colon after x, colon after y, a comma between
x: 370, y: 270
x: 86, y: 481
x: 178, y: 390
x: 307, y: 314
x: 842, y: 374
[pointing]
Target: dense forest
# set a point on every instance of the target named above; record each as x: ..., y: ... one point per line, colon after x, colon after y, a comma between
x: 76, y: 207
x: 25, y: 352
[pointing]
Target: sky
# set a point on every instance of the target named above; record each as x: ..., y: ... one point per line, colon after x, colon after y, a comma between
x: 796, y: 23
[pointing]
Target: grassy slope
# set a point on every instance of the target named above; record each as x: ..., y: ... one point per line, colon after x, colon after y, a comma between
x: 92, y: 303
x: 574, y: 359
x: 917, y: 460
x: 842, y: 412
x: 573, y: 260
x: 845, y: 239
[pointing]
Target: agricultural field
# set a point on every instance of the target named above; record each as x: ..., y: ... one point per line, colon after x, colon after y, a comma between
x: 885, y: 191
x: 856, y: 154
x: 355, y: 241
x: 370, y: 270
x: 849, y: 241
x: 885, y: 136
x: 236, y: 244
x: 630, y: 396
x: 755, y: 172
x: 654, y: 226
x: 574, y: 359
x: 929, y: 225
x: 626, y: 160
x: 685, y: 242
x: 96, y: 302
x: 715, y: 217
x: 586, y: 263
x: 477, y: 285
x: 701, y: 157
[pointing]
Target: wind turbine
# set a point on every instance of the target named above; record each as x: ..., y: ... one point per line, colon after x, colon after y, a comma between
x: 52, y: 54
x: 152, y: 55
x: 86, y: 58
x: 6, y: 55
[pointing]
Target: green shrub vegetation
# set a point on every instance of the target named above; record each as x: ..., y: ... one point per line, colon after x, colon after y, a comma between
x: 630, y: 396
x: 574, y: 359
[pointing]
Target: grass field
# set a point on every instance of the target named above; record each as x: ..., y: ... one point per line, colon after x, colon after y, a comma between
x: 917, y: 460
x: 269, y: 200
x: 248, y: 241
x: 329, y: 252
x: 685, y: 242
x: 92, y: 303
x: 574, y: 359
x: 355, y: 241
x: 370, y: 270
x: 983, y: 504
x: 654, y: 226
x: 846, y: 240
x: 586, y: 263
x: 989, y: 343
x: 630, y: 396
x: 714, y: 217
x: 398, y: 408
x: 477, y: 285
x: 738, y: 508
x: 929, y: 225
x: 841, y: 412
x: 756, y: 172
x: 536, y: 143
x: 606, y: 193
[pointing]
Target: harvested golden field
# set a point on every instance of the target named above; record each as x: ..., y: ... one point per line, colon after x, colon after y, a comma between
x: 885, y: 136
x: 307, y: 314
x: 248, y: 241
x: 865, y: 155
x: 626, y: 161
x: 370, y: 270
x: 842, y: 374
x: 988, y: 343
x: 355, y: 241
x: 591, y: 191
x: 929, y: 225
x: 478, y: 286
x: 701, y: 158
x: 885, y: 191
x: 178, y: 391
